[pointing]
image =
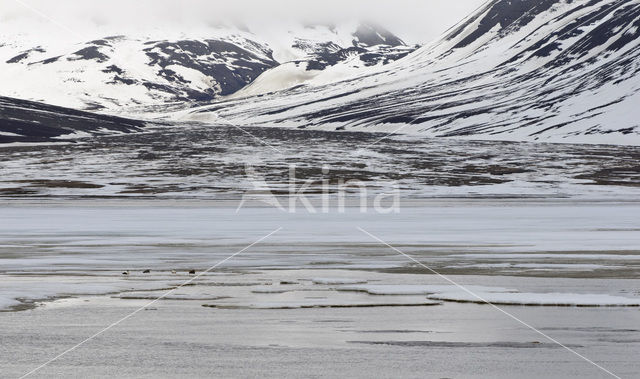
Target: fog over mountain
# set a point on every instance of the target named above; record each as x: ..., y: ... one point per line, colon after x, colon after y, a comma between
x: 416, y: 21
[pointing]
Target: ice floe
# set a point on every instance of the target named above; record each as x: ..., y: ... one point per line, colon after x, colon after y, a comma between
x: 539, y: 266
x: 181, y: 296
x: 415, y: 289
x: 324, y: 303
x: 270, y: 289
x: 336, y: 281
x: 622, y: 257
x: 538, y: 299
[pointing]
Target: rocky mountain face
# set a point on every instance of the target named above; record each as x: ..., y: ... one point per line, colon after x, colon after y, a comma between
x: 136, y: 73
x: 121, y: 71
x: 371, y: 44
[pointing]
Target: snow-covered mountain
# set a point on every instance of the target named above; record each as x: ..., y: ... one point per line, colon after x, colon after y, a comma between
x: 548, y: 70
x: 133, y: 72
x: 325, y: 53
x: 117, y: 71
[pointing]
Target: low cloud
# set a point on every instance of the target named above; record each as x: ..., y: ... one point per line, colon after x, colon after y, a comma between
x: 414, y: 20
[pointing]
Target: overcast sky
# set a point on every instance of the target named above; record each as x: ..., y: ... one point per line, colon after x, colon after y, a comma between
x: 414, y: 20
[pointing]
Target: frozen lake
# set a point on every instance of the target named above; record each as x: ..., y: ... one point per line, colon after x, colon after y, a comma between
x: 452, y: 235
x: 319, y: 289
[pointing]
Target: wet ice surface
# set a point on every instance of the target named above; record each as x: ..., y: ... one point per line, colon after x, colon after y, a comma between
x: 183, y: 339
x: 70, y: 248
x: 220, y: 326
x: 195, y: 161
x: 74, y: 248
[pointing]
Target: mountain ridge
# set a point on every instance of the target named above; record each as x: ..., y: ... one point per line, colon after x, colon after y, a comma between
x: 544, y: 70
x: 121, y: 71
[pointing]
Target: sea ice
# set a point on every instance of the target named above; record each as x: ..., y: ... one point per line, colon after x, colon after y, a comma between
x: 539, y: 299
